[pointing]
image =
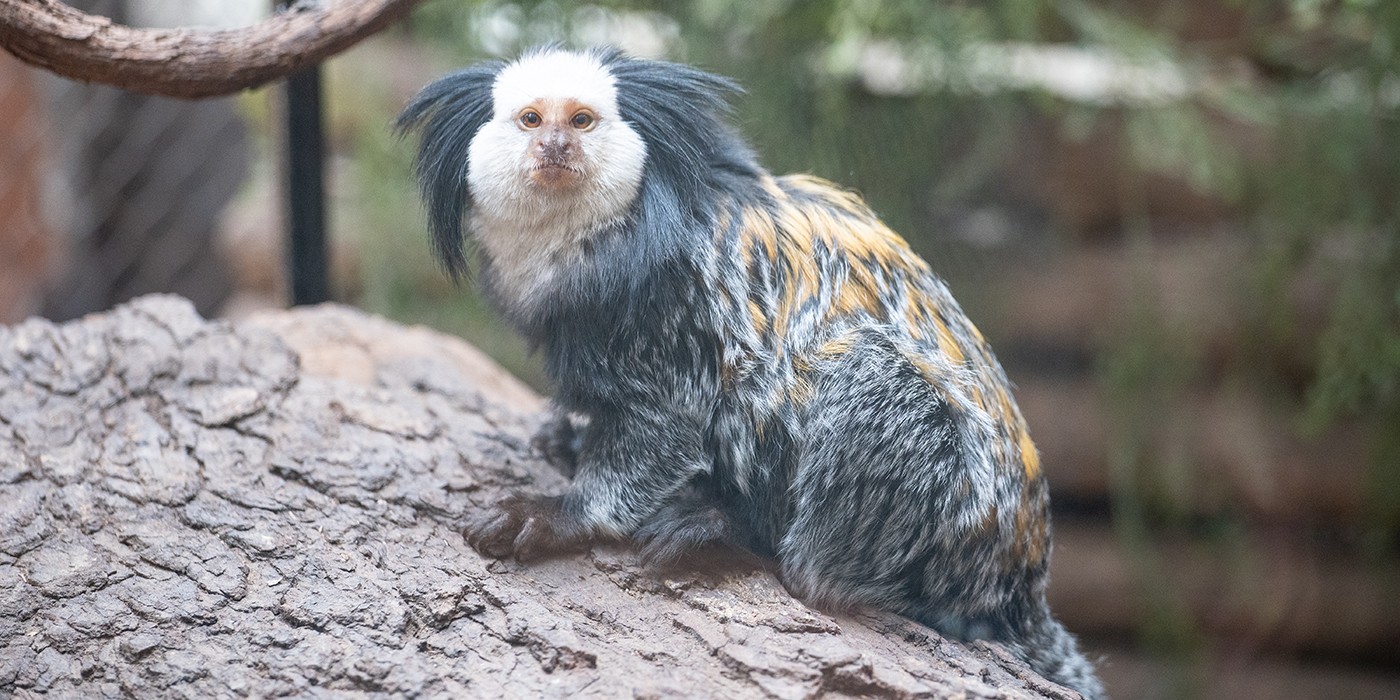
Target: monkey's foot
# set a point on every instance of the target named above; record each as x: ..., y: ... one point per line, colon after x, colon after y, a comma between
x: 677, y: 530
x: 526, y: 528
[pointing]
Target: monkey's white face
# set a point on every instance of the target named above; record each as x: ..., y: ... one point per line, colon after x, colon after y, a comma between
x: 553, y: 165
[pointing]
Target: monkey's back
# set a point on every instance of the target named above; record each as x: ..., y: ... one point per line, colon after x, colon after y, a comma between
x: 881, y: 422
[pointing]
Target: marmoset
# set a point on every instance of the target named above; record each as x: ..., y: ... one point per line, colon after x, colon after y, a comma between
x: 759, y: 359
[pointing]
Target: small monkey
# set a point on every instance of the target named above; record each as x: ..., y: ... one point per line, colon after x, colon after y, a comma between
x: 759, y: 359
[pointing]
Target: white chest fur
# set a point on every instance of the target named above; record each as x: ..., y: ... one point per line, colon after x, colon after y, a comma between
x: 530, y: 243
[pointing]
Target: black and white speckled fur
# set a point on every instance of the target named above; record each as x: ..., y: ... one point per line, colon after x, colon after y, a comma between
x: 759, y: 359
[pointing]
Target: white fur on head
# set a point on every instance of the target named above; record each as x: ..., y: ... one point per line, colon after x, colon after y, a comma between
x: 530, y: 231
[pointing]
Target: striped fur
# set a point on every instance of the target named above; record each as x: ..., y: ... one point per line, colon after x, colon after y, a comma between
x: 761, y: 360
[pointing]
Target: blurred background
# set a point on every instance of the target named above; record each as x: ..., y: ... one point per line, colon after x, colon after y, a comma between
x: 1177, y: 221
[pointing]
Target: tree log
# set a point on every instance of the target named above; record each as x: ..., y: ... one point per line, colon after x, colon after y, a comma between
x: 271, y: 507
x: 187, y: 62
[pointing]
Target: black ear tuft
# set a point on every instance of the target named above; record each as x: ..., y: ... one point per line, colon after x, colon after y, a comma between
x: 655, y: 88
x: 448, y: 113
x: 694, y: 159
x: 682, y: 113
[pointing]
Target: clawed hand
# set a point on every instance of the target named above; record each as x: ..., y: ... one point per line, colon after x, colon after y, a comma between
x: 526, y: 528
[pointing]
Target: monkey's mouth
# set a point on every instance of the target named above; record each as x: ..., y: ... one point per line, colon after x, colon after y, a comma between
x: 551, y: 172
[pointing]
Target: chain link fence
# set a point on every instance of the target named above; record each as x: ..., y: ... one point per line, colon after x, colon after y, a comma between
x: 105, y: 194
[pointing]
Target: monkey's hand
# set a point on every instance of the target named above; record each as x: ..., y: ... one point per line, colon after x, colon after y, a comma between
x: 528, y: 528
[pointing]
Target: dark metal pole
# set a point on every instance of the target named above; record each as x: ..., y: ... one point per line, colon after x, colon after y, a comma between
x: 306, y: 208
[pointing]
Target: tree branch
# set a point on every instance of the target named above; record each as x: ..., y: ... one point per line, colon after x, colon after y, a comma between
x: 187, y: 62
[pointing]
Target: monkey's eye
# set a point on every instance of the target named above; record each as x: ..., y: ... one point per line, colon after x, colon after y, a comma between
x: 583, y: 120
x: 530, y: 119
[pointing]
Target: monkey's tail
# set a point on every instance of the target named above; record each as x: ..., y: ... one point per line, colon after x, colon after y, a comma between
x: 1053, y: 652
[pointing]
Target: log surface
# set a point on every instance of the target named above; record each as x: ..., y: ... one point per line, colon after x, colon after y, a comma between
x: 271, y: 507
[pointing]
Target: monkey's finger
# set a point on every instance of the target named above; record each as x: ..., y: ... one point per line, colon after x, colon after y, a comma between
x: 492, y: 534
x: 499, y: 546
x: 534, y: 539
x: 479, y: 525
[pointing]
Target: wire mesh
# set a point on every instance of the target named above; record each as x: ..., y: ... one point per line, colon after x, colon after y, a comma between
x: 108, y: 194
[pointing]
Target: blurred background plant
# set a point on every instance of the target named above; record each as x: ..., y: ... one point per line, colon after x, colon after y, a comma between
x: 1175, y: 220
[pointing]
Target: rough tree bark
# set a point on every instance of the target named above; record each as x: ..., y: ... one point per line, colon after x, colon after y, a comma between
x: 187, y: 62
x: 270, y: 507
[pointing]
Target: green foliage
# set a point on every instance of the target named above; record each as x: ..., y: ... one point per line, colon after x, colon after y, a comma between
x: 1329, y: 208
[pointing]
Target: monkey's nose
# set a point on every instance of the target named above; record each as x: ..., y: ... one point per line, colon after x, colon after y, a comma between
x: 555, y: 150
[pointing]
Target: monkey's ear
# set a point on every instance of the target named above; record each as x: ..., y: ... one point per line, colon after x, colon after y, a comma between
x: 447, y: 114
x: 682, y: 114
